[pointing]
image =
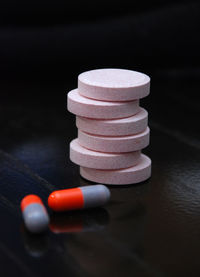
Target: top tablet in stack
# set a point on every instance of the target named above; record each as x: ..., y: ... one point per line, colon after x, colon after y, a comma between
x: 112, y: 126
x: 113, y: 84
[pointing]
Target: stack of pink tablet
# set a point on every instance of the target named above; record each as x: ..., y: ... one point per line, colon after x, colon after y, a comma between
x: 112, y: 127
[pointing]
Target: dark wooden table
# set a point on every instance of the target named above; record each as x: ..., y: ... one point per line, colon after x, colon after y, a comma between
x: 149, y: 229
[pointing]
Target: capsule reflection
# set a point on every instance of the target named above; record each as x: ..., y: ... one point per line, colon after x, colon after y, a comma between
x: 79, y: 221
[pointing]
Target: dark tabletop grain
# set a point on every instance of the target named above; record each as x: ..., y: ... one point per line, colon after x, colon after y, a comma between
x: 149, y: 229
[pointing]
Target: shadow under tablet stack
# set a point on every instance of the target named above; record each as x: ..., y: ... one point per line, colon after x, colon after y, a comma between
x: 112, y: 127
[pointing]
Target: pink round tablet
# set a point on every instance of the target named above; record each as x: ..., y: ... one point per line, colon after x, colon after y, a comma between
x: 115, y: 127
x: 87, y: 158
x: 113, y: 84
x: 86, y: 107
x: 131, y: 175
x: 114, y: 144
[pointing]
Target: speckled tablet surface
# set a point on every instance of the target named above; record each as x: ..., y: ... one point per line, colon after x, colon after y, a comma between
x: 114, y: 144
x: 131, y: 175
x: 114, y: 127
x: 86, y: 107
x: 113, y: 84
x: 84, y: 157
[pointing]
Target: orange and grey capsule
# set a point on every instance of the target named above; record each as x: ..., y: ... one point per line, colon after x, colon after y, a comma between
x: 79, y: 198
x: 34, y: 213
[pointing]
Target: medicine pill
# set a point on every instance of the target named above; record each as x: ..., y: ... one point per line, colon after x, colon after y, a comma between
x: 127, y: 176
x: 114, y: 127
x: 79, y: 198
x: 100, y: 160
x: 82, y: 106
x: 114, y: 144
x: 34, y: 213
x: 112, y: 84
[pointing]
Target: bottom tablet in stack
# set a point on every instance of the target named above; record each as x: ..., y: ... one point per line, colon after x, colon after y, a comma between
x: 127, y: 176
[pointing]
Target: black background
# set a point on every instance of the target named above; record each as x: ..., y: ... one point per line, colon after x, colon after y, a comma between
x: 150, y: 229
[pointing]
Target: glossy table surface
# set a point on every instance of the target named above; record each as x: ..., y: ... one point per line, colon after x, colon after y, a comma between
x: 149, y: 229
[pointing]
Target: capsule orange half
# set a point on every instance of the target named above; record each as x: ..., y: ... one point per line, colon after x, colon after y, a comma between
x: 30, y: 199
x: 66, y: 199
